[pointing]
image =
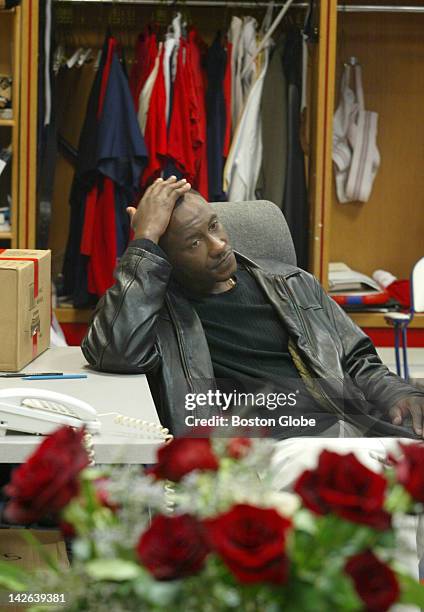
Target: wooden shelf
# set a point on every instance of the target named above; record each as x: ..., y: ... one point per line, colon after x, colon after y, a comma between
x: 6, y: 236
x: 376, y: 319
x: 73, y: 315
x: 363, y: 319
x: 7, y: 122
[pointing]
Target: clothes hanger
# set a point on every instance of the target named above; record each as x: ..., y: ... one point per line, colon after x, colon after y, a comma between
x: 267, y: 36
x: 267, y: 20
x: 59, y: 58
x: 85, y: 57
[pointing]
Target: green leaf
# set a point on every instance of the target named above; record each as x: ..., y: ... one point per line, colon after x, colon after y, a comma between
x: 93, y: 473
x: 305, y: 521
x: 398, y: 500
x: 112, y: 569
x: 412, y: 592
x: 12, y: 577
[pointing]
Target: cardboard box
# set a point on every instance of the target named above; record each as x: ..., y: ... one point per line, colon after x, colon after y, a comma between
x: 15, y: 550
x: 25, y: 306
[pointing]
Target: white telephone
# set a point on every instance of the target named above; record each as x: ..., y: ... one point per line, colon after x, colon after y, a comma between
x: 38, y: 411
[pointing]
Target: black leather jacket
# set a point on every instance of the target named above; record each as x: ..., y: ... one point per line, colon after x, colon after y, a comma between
x: 142, y: 325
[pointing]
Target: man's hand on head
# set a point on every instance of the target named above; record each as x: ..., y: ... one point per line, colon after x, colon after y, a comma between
x: 409, y: 406
x: 151, y: 218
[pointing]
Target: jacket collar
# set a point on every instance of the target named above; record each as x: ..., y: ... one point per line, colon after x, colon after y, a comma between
x: 268, y: 266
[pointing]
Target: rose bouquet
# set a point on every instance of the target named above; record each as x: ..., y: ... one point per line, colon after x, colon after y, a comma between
x: 205, y: 530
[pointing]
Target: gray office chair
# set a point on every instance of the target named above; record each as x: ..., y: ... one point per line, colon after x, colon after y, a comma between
x: 257, y: 229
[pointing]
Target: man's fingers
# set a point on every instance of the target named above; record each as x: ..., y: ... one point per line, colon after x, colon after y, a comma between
x: 171, y: 186
x: 151, y: 187
x: 396, y: 415
x: 417, y: 419
x: 182, y: 189
x: 156, y: 186
x: 175, y: 188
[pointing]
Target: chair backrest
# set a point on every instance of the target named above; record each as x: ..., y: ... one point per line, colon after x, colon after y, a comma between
x: 417, y: 286
x: 258, y: 230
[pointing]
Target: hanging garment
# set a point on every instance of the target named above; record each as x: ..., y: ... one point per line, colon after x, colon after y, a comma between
x: 248, y: 43
x: 180, y: 148
x: 197, y: 50
x: 146, y: 92
x: 138, y: 67
x: 155, y: 133
x: 272, y: 179
x: 355, y: 151
x: 343, y: 118
x: 295, y: 206
x: 111, y: 157
x: 216, y: 118
x: 176, y: 33
x: 197, y: 120
x: 244, y: 160
x: 170, y: 44
x: 227, y: 97
x: 234, y: 35
x: 267, y: 20
x: 100, y: 239
x: 46, y: 129
x: 145, y: 55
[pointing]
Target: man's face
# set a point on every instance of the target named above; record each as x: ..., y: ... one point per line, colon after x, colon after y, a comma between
x: 197, y: 246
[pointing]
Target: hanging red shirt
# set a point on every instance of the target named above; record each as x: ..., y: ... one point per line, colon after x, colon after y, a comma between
x: 180, y: 148
x: 103, y: 253
x: 155, y: 134
x: 145, y: 54
x: 196, y: 49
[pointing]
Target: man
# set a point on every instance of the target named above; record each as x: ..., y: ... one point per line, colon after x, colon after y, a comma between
x: 196, y: 317
x: 192, y: 315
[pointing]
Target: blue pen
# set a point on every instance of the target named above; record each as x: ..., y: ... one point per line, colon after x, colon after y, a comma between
x: 55, y: 377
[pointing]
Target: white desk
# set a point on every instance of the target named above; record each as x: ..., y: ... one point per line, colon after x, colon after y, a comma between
x: 127, y: 394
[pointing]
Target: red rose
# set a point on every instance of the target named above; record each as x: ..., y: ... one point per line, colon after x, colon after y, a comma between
x: 67, y: 530
x: 49, y: 479
x: 341, y: 484
x: 409, y: 470
x: 238, y: 447
x: 182, y: 456
x: 374, y: 581
x: 173, y: 547
x: 251, y: 542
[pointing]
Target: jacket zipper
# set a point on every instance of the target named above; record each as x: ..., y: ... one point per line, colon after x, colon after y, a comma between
x: 181, y: 346
x: 300, y: 315
x: 305, y: 329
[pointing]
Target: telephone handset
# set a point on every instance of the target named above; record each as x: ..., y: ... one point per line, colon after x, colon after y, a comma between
x: 38, y: 411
